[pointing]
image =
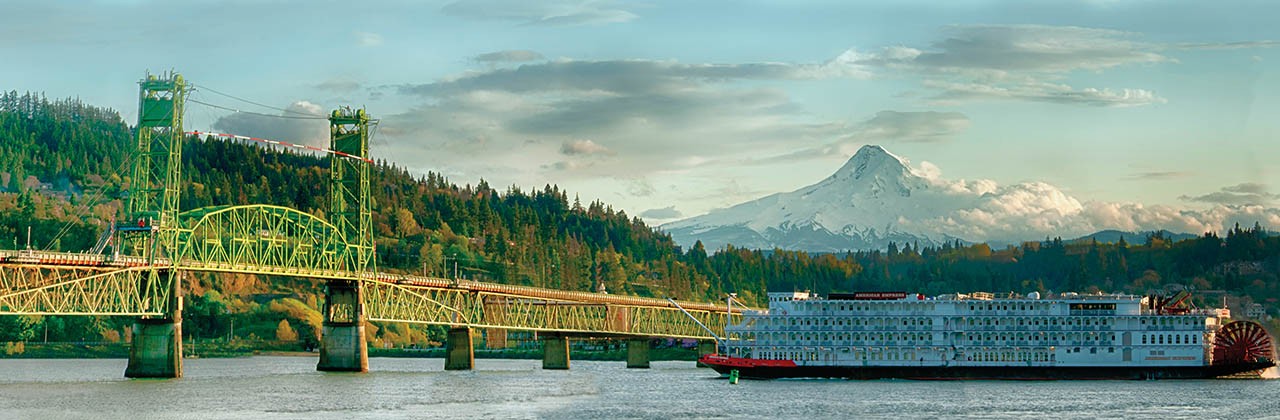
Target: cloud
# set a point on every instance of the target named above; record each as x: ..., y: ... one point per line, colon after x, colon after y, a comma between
x: 339, y: 86
x: 508, y: 56
x: 1043, y: 92
x: 648, y: 116
x: 983, y: 210
x: 1155, y: 175
x: 1019, y: 62
x: 313, y: 132
x: 583, y: 147
x: 885, y: 126
x: 621, y: 76
x: 547, y: 12
x: 1035, y: 48
x: 367, y: 39
x: 668, y: 212
x: 1240, y: 194
x: 640, y: 188
x: 919, y: 127
x: 1239, y: 45
x: 1247, y: 188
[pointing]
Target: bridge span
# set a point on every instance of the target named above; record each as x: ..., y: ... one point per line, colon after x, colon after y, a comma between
x: 149, y: 252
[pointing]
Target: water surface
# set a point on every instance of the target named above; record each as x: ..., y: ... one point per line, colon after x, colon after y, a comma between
x: 395, y: 388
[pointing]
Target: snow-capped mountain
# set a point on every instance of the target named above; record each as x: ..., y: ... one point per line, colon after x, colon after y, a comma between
x: 877, y: 198
x: 864, y: 205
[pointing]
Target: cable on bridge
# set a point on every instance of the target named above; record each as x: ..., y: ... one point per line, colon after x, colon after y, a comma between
x: 291, y: 117
x: 282, y: 110
x: 281, y: 143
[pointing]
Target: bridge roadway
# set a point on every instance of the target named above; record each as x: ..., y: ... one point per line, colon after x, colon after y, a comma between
x: 59, y: 283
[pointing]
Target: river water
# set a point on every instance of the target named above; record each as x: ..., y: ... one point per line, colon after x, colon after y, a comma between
x: 395, y: 388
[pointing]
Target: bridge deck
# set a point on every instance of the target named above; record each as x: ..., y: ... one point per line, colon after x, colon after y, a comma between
x: 387, y: 297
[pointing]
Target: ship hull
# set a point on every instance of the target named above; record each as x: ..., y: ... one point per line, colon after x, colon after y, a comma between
x: 746, y: 369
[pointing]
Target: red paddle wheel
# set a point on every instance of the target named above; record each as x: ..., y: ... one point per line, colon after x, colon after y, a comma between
x: 1242, y: 342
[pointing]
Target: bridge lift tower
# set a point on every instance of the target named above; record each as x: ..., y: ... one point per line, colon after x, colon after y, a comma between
x: 150, y: 225
x: 342, y: 343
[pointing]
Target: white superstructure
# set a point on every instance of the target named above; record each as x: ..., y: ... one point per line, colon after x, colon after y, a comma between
x: 973, y: 330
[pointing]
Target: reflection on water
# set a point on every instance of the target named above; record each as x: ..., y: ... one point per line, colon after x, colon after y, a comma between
x: 289, y: 387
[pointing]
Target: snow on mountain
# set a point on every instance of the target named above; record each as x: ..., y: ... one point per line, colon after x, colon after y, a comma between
x: 863, y: 205
x: 877, y: 198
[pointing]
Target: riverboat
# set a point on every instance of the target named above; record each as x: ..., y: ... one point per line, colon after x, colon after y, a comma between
x: 875, y: 335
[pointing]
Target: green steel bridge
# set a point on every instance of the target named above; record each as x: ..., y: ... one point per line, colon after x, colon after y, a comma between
x: 156, y: 244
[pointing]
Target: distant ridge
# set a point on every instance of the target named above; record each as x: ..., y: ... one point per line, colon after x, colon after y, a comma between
x: 1114, y: 236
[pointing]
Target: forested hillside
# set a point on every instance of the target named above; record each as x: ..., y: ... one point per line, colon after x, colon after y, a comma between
x: 63, y: 165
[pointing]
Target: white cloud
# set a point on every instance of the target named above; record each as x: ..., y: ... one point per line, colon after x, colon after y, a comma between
x: 1042, y: 92
x: 645, y: 116
x: 583, y: 147
x: 921, y: 127
x: 1021, y: 62
x: 665, y: 213
x: 287, y: 127
x: 982, y: 210
x: 367, y: 39
x: 545, y: 12
x: 1035, y: 48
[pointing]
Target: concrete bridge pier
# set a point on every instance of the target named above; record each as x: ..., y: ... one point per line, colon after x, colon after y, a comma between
x: 555, y: 351
x: 705, y: 347
x: 638, y: 353
x: 156, y: 349
x: 459, y: 351
x: 342, y: 340
x: 156, y: 343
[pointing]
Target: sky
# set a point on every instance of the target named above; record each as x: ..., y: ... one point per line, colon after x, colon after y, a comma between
x: 1143, y: 114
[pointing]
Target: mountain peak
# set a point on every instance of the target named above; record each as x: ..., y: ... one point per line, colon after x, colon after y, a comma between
x: 872, y: 160
x: 863, y: 205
